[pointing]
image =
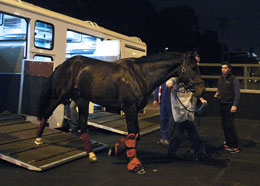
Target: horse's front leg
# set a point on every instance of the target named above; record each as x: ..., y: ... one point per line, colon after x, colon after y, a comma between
x: 134, y: 163
x: 129, y: 144
x: 83, y: 106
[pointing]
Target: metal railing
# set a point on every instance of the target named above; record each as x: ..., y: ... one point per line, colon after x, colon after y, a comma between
x: 247, y: 74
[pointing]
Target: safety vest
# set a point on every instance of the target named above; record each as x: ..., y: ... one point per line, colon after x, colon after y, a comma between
x: 159, y: 94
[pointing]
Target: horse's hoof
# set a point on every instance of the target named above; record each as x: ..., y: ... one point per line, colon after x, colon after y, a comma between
x: 139, y: 170
x: 38, y: 141
x: 92, y: 157
x: 111, y: 152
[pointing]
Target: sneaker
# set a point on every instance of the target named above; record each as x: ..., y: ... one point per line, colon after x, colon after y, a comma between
x: 159, y: 142
x: 234, y: 150
x: 163, y: 142
x: 226, y: 147
x: 166, y: 142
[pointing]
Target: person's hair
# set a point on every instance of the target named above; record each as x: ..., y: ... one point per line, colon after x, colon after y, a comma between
x: 226, y: 63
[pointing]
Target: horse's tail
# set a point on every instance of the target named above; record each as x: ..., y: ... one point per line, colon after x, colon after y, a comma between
x: 45, y: 96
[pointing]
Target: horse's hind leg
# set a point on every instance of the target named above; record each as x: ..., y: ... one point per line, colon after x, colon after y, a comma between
x: 83, y: 106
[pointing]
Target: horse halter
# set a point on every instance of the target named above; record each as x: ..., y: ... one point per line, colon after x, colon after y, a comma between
x: 190, y: 85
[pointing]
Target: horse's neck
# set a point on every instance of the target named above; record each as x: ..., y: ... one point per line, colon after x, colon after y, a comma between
x: 158, y: 72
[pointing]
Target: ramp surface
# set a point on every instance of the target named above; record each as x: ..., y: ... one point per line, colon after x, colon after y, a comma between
x: 17, y: 145
x: 148, y: 121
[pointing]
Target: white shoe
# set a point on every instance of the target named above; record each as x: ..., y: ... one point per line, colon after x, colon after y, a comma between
x: 163, y: 142
x: 166, y: 142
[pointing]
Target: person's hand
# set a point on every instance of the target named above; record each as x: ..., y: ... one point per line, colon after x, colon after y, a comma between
x: 173, y: 90
x: 216, y: 95
x: 233, y: 109
x: 169, y: 84
x: 155, y: 104
x: 203, y: 101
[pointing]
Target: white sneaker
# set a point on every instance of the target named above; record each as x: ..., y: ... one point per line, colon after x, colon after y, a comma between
x: 163, y: 142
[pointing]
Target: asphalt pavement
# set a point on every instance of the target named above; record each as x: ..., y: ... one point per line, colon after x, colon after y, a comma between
x: 221, y: 168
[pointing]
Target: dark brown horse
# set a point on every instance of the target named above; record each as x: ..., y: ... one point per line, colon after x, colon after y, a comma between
x: 125, y: 84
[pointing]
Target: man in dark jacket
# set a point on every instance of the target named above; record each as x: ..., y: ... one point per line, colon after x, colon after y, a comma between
x: 229, y: 94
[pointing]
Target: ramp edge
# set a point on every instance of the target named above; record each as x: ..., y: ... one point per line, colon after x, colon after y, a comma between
x: 71, y: 158
x: 107, y: 128
x: 62, y: 161
x: 19, y: 163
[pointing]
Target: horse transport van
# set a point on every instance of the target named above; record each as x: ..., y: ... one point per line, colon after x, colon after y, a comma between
x: 34, y: 40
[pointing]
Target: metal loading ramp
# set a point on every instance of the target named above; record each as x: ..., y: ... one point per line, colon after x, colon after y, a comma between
x: 148, y: 121
x: 17, y: 145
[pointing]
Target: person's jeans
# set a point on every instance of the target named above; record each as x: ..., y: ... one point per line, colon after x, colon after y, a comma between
x: 166, y: 118
x: 227, y: 122
x: 179, y: 129
x: 71, y: 114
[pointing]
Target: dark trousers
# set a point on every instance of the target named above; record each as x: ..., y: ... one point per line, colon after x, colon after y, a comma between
x: 166, y: 119
x: 178, y: 131
x: 227, y: 121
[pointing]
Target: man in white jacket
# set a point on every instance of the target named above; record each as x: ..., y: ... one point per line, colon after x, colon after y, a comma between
x: 183, y: 119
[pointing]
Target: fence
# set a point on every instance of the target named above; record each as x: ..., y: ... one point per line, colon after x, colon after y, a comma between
x: 247, y: 74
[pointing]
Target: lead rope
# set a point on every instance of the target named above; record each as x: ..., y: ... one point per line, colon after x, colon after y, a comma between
x: 194, y: 111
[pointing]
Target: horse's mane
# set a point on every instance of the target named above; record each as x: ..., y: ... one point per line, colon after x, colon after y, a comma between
x: 159, y: 57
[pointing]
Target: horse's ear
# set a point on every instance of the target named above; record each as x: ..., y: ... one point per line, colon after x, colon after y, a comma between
x: 196, y: 53
x: 188, y: 54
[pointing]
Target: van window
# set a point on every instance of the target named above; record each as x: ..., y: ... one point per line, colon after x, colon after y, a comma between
x: 80, y: 44
x: 1, y: 19
x: 43, y: 35
x: 42, y: 58
x: 13, y: 40
x: 91, y: 46
x: 12, y: 28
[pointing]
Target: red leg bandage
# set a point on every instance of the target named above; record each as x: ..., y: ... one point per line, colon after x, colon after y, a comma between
x: 116, y: 148
x: 41, y: 128
x: 86, y: 142
x: 130, y: 144
x: 133, y: 164
x: 119, y: 147
x: 131, y: 140
x: 131, y: 153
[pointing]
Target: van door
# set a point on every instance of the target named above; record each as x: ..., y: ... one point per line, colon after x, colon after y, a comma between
x: 13, y: 45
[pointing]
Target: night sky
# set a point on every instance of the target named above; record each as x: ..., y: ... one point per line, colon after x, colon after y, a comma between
x: 243, y: 19
x: 241, y: 30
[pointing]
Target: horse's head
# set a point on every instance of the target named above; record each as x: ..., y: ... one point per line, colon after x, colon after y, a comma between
x: 189, y: 74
